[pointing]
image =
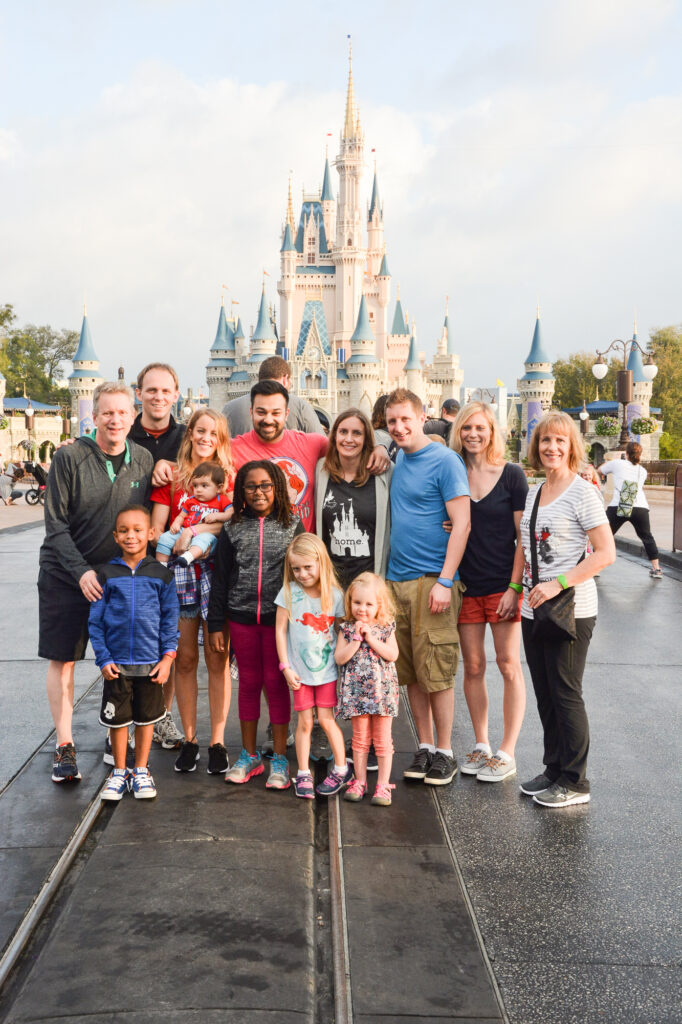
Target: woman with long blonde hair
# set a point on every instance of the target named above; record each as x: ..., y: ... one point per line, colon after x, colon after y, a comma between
x: 206, y: 439
x: 491, y: 568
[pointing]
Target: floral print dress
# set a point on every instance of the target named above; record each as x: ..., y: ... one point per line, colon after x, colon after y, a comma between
x: 369, y: 685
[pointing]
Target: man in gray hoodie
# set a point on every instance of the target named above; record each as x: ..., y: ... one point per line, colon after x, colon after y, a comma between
x: 89, y: 483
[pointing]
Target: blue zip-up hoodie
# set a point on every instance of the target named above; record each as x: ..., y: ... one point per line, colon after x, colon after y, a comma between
x: 135, y: 622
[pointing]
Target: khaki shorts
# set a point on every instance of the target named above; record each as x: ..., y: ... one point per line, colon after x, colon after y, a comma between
x: 428, y: 644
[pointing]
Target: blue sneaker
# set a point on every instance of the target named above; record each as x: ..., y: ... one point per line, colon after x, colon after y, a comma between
x: 245, y: 767
x: 116, y: 785
x: 64, y: 767
x: 279, y: 773
x: 142, y: 784
x: 335, y: 782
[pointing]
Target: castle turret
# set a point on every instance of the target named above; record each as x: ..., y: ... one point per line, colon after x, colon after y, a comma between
x: 264, y: 338
x: 83, y: 380
x: 375, y: 229
x: 363, y: 366
x: 413, y: 368
x: 536, y: 387
x: 222, y: 361
x: 286, y: 286
x: 445, y: 370
x: 397, y: 343
x: 642, y: 388
x: 328, y: 203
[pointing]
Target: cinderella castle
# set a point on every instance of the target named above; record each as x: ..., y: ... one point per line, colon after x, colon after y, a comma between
x: 347, y: 340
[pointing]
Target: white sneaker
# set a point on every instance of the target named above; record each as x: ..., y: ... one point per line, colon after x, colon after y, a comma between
x: 474, y: 762
x: 167, y: 734
x: 495, y: 769
x: 116, y: 785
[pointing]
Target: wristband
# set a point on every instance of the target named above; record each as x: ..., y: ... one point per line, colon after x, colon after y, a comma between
x: 562, y: 581
x: 283, y: 665
x: 445, y: 582
x: 517, y: 587
x: 170, y: 654
x: 192, y: 531
x: 357, y: 636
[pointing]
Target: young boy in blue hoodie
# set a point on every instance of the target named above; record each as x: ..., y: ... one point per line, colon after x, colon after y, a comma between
x: 134, y: 634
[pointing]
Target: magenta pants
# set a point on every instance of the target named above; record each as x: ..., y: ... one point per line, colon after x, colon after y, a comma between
x: 256, y: 652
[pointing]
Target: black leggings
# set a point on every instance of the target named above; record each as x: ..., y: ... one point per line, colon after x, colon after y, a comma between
x: 642, y: 527
x: 556, y: 669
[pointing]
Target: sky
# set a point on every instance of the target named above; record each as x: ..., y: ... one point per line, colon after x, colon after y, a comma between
x: 527, y: 152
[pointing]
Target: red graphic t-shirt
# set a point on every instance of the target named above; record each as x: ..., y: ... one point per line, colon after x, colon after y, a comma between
x: 296, y: 454
x: 198, y: 510
x: 162, y: 496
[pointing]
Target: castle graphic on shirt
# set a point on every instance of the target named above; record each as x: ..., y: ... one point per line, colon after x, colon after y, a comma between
x: 346, y: 538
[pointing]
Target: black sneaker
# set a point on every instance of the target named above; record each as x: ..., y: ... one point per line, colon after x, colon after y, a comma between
x: 218, y: 761
x: 108, y: 756
x: 349, y: 752
x: 421, y: 762
x: 372, y: 763
x: 442, y: 771
x: 537, y: 785
x: 64, y: 767
x: 189, y: 755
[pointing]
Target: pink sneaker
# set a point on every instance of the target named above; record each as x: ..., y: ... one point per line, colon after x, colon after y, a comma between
x: 382, y: 795
x: 355, y: 791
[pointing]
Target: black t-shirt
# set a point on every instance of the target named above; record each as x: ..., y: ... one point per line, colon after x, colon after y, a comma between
x: 349, y: 515
x: 489, y: 556
x: 116, y: 461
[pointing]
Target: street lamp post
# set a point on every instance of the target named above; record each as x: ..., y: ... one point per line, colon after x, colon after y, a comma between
x: 584, y: 418
x: 486, y: 391
x: 624, y: 378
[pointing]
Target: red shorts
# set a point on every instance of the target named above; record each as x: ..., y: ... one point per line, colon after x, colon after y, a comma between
x: 323, y: 696
x: 483, y: 609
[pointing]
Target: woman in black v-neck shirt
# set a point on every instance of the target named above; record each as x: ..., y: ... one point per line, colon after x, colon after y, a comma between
x: 491, y: 569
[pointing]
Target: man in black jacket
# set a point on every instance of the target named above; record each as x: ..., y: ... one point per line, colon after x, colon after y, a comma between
x: 89, y: 483
x: 154, y: 428
x: 443, y: 426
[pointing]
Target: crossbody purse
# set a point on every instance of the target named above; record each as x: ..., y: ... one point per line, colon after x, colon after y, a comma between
x: 554, y: 619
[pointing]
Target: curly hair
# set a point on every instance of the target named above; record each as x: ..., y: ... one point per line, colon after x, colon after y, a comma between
x: 332, y: 463
x: 282, y: 503
x: 385, y: 608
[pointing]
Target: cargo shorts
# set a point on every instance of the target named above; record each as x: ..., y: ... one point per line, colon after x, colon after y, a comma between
x: 428, y: 644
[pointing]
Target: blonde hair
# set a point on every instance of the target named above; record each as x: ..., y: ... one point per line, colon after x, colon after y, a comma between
x: 309, y: 545
x: 562, y: 423
x: 222, y: 455
x: 385, y: 609
x: 495, y: 450
x: 111, y: 387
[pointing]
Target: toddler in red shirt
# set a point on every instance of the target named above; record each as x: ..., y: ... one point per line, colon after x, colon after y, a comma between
x: 206, y: 504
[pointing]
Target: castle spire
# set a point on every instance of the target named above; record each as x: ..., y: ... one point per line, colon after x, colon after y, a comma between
x: 351, y: 121
x: 375, y: 202
x: 290, y: 210
x: 264, y: 329
x: 86, y: 350
x: 327, y: 193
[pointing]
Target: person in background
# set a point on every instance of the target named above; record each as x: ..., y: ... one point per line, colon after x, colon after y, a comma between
x: 302, y: 416
x: 443, y: 426
x: 491, y: 569
x: 628, y: 483
x: 567, y: 513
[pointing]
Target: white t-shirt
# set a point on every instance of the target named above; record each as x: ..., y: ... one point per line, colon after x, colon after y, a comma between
x: 622, y: 470
x: 311, y: 638
x: 560, y: 532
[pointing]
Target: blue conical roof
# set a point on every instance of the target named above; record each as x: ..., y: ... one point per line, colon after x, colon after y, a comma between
x: 636, y: 365
x: 375, y: 202
x: 537, y: 352
x: 223, y: 341
x: 86, y: 350
x: 384, y: 271
x: 239, y: 333
x: 288, y: 242
x: 412, y: 358
x: 327, y: 183
x: 264, y: 330
x: 363, y: 331
x: 399, y: 325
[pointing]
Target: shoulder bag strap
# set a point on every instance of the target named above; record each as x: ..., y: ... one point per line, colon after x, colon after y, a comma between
x: 533, y: 545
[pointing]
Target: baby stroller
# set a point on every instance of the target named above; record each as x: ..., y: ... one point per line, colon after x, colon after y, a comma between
x: 36, y: 494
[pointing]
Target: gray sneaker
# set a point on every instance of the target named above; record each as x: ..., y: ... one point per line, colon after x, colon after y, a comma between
x: 537, y: 785
x: 474, y: 762
x: 167, y: 734
x: 319, y: 744
x: 494, y: 769
x: 560, y: 796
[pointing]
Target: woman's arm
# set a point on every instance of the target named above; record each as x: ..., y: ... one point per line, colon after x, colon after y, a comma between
x: 160, y: 514
x: 604, y: 554
x: 509, y: 601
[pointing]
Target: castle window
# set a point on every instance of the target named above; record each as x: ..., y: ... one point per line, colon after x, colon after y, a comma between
x: 371, y: 315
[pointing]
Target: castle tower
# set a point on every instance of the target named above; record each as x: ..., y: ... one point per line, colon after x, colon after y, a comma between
x: 413, y: 368
x: 264, y: 339
x: 363, y: 366
x: 375, y: 229
x: 221, y: 362
x: 536, y: 387
x: 348, y: 255
x: 445, y: 370
x: 328, y: 202
x: 397, y: 344
x: 286, y: 287
x: 83, y: 380
x: 641, y: 387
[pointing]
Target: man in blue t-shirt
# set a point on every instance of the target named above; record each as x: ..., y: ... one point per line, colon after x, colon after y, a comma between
x: 429, y: 486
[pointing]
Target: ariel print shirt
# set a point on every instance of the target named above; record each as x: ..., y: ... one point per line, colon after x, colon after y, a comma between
x: 311, y: 635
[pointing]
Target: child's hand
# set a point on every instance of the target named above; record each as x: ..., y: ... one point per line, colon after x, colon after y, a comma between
x: 176, y: 525
x: 183, y: 542
x: 216, y: 641
x: 292, y: 678
x: 363, y: 629
x: 161, y: 670
x: 212, y: 517
x: 110, y: 672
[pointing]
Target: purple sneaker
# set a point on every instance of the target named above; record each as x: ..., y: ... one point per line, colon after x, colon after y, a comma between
x: 335, y: 782
x: 303, y: 786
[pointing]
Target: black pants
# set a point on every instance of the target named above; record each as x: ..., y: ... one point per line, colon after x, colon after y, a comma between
x: 640, y: 520
x: 557, y: 673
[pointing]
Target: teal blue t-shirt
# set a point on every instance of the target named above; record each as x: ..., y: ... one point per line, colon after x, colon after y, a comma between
x: 311, y: 636
x: 421, y: 484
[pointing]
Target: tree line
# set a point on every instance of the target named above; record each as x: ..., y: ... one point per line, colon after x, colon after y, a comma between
x: 33, y: 357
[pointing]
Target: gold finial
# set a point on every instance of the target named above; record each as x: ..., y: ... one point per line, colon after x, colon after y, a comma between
x: 85, y: 308
x: 290, y: 207
x: 349, y: 124
x: 537, y: 311
x: 634, y: 324
x: 397, y: 298
x: 223, y: 289
x: 447, y: 305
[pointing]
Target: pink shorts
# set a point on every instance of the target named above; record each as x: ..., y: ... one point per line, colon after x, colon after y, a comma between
x: 323, y: 696
x: 484, y: 609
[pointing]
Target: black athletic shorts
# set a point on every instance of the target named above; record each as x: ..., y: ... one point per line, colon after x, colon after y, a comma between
x: 131, y: 700
x: 62, y: 619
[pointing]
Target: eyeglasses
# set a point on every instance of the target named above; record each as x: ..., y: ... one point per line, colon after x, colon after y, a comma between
x: 252, y: 488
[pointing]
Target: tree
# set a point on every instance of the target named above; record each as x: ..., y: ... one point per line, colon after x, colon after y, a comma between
x: 575, y: 380
x: 665, y: 344
x: 32, y: 357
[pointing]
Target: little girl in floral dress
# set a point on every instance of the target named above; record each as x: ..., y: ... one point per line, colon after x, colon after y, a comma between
x: 367, y: 650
